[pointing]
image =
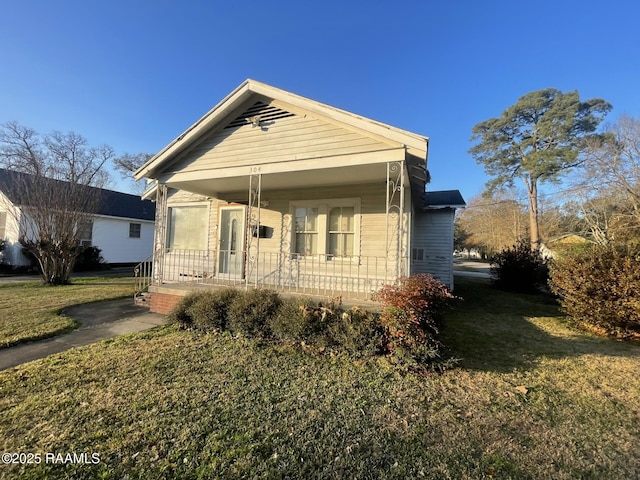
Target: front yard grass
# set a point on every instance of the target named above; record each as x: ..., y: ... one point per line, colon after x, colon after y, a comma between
x: 30, y: 311
x: 531, y: 399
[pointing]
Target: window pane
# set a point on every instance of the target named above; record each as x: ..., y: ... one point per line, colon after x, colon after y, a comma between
x: 312, y: 220
x: 307, y: 243
x: 134, y: 230
x: 334, y: 219
x: 301, y: 214
x: 347, y: 219
x: 188, y: 228
x: 306, y: 219
x: 341, y: 244
x: 348, y: 244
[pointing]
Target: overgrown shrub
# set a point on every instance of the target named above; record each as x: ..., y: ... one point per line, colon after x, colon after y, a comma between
x: 292, y: 323
x: 411, y: 310
x: 251, y: 312
x: 407, y: 328
x: 209, y: 311
x: 519, y: 269
x: 89, y: 258
x: 358, y: 332
x: 180, y: 312
x: 600, y: 287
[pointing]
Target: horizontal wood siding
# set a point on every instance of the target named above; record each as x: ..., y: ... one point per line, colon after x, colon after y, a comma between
x: 277, y: 219
x: 284, y: 139
x: 433, y: 233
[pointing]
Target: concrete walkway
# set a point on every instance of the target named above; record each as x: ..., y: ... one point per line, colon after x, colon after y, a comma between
x: 470, y: 268
x: 98, y: 321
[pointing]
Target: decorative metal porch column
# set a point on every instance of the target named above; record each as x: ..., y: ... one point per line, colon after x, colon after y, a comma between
x: 395, y: 221
x: 159, y: 247
x: 253, y: 228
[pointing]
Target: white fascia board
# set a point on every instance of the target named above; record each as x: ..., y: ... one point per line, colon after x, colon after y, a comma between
x: 126, y: 219
x: 194, y: 130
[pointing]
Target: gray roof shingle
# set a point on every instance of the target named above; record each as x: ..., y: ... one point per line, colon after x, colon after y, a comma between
x: 112, y: 203
x: 444, y: 199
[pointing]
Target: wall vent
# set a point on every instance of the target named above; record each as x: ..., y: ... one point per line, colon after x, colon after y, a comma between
x: 265, y: 113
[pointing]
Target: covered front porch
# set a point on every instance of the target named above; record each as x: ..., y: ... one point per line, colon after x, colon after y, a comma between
x: 332, y: 231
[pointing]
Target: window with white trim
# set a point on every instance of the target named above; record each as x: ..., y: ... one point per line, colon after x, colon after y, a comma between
x: 187, y: 228
x: 326, y: 227
x: 134, y: 230
x: 85, y: 234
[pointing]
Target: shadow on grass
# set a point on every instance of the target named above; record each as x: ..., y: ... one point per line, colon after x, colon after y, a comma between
x: 493, y: 330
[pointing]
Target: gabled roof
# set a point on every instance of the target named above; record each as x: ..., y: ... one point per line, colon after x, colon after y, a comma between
x: 444, y: 199
x: 112, y: 203
x: 415, y: 144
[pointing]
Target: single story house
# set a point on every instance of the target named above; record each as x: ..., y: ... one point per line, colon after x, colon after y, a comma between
x: 122, y: 225
x: 275, y: 190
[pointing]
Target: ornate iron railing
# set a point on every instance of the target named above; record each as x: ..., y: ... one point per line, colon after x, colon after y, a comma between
x: 355, y: 277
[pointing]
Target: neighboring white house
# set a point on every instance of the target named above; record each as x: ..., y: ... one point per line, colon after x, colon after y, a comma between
x: 123, y: 226
x: 276, y: 190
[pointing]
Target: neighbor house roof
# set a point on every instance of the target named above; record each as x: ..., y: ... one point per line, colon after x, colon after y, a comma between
x: 444, y: 199
x: 112, y: 203
x: 415, y: 144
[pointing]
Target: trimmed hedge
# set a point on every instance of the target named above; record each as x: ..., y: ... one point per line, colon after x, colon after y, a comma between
x: 600, y: 288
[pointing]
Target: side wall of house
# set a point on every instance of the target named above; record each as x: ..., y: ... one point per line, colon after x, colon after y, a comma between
x: 432, y: 250
x: 111, y: 235
x: 12, y: 254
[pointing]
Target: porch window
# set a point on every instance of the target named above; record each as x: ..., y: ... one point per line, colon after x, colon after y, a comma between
x: 307, y: 231
x: 326, y: 228
x: 187, y: 228
x: 341, y: 231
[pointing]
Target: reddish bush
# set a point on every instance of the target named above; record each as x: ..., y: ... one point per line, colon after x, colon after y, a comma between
x: 412, y: 308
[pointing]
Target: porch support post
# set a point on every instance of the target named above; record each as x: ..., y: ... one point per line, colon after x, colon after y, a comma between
x: 160, y: 247
x: 253, y: 228
x: 395, y: 220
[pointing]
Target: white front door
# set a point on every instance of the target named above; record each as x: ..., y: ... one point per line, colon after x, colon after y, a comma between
x: 231, y: 242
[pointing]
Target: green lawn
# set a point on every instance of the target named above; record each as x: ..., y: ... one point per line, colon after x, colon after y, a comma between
x: 531, y: 399
x: 29, y: 311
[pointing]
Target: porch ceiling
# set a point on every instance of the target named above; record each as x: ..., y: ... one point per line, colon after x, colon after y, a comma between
x: 347, y: 175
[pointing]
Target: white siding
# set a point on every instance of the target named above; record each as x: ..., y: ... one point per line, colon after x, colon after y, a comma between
x: 433, y: 234
x: 111, y: 235
x: 12, y: 254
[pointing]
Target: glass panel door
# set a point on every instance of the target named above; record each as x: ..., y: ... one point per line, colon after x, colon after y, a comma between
x: 231, y: 242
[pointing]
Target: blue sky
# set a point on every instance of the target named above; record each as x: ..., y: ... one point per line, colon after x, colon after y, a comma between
x: 135, y: 74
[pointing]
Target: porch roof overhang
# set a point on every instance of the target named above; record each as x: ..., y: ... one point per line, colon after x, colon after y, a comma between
x: 361, y: 168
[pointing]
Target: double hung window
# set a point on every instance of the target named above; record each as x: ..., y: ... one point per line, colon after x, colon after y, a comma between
x: 134, y: 230
x: 326, y: 227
